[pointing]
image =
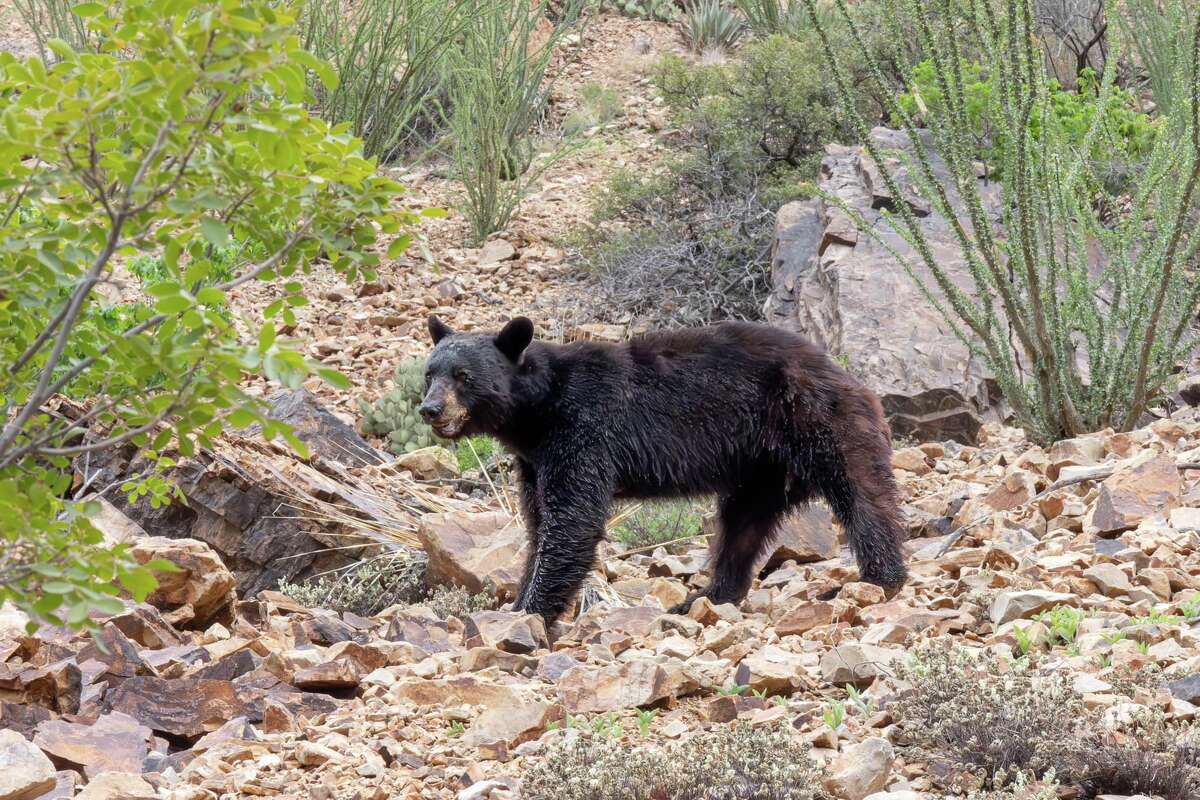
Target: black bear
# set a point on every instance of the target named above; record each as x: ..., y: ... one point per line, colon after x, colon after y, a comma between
x: 755, y: 415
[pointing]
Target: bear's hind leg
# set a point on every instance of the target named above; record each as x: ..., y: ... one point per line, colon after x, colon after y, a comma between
x: 748, y: 521
x: 873, y: 528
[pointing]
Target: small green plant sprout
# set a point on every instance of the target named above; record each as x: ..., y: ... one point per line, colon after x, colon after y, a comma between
x: 644, y: 717
x: 457, y: 728
x: 1143, y: 647
x: 761, y: 694
x: 1157, y: 617
x: 864, y: 705
x: 608, y: 726
x: 731, y: 690
x: 780, y: 701
x: 1024, y: 639
x: 1073, y: 650
x: 1191, y: 609
x: 834, y: 714
x: 1063, y: 622
x: 1104, y: 660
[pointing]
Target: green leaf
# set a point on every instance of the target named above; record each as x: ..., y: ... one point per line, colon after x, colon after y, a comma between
x: 334, y: 378
x: 266, y: 337
x: 140, y: 583
x: 214, y: 231
x: 86, y: 10
x: 241, y: 418
x: 399, y: 245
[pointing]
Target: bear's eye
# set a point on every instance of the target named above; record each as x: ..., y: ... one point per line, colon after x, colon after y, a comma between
x: 461, y: 375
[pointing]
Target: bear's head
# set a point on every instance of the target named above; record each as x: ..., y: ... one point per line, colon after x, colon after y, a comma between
x: 469, y: 378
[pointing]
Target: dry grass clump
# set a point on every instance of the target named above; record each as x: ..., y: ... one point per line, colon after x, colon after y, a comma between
x: 365, y: 589
x: 726, y: 763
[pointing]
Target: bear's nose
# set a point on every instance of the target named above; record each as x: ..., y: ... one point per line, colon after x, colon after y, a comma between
x: 430, y: 411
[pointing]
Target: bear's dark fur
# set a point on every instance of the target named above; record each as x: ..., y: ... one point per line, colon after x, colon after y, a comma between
x: 755, y: 415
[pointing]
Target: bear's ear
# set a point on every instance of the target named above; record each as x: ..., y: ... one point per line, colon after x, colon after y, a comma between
x: 438, y: 330
x: 514, y: 338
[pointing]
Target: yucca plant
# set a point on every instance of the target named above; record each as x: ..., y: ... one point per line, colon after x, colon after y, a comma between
x: 711, y: 27
x: 770, y: 17
x: 1082, y: 319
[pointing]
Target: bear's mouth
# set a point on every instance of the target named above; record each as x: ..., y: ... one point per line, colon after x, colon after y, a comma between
x: 449, y: 429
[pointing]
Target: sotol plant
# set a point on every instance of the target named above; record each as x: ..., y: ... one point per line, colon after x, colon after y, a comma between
x: 1081, y: 319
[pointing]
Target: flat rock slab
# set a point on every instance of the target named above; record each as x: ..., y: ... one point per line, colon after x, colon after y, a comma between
x: 116, y: 742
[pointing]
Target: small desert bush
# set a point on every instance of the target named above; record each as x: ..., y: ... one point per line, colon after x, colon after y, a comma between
x: 655, y: 523
x: 598, y: 104
x: 1150, y: 757
x: 994, y: 721
x: 455, y: 601
x: 366, y: 589
x: 726, y: 763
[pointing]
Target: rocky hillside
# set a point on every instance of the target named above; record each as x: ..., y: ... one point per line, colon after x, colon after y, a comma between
x: 1081, y: 562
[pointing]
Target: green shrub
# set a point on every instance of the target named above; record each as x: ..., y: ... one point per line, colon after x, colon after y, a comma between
x: 391, y: 58
x: 475, y: 452
x: 771, y: 17
x: 498, y: 83
x: 690, y: 244
x: 183, y: 132
x: 54, y: 19
x: 1082, y: 318
x: 1123, y: 134
x: 365, y: 589
x: 728, y: 762
x: 655, y: 523
x: 709, y: 26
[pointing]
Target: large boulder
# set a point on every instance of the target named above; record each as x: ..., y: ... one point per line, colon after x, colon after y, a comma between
x: 842, y: 289
x: 239, y: 503
x: 478, y: 551
x: 25, y: 772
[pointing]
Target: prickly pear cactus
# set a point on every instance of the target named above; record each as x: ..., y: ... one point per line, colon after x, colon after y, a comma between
x: 395, y: 416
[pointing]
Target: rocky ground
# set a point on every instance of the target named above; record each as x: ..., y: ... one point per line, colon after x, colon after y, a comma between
x: 217, y: 688
x: 200, y: 694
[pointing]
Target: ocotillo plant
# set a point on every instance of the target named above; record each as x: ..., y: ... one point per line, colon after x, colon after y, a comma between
x: 1083, y: 319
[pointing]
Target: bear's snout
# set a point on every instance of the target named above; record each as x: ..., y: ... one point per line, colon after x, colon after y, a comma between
x: 430, y: 411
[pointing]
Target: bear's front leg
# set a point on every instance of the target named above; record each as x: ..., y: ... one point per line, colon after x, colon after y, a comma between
x: 572, y: 510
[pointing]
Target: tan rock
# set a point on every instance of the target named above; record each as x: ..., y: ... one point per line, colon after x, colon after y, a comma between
x: 457, y: 690
x: 860, y: 770
x: 202, y: 581
x: 479, y: 658
x: 114, y: 743
x: 181, y: 707
x: 430, y: 463
x: 507, y: 631
x: 804, y: 536
x: 476, y: 551
x: 341, y: 674
x: 1142, y: 487
x: 857, y: 663
x: 912, y: 459
x: 770, y: 669
x: 1082, y: 451
x: 629, y: 685
x: 25, y: 772
x: 1022, y: 605
x: 513, y: 724
x: 1111, y: 579
x: 116, y: 786
x: 803, y: 617
x: 862, y: 594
